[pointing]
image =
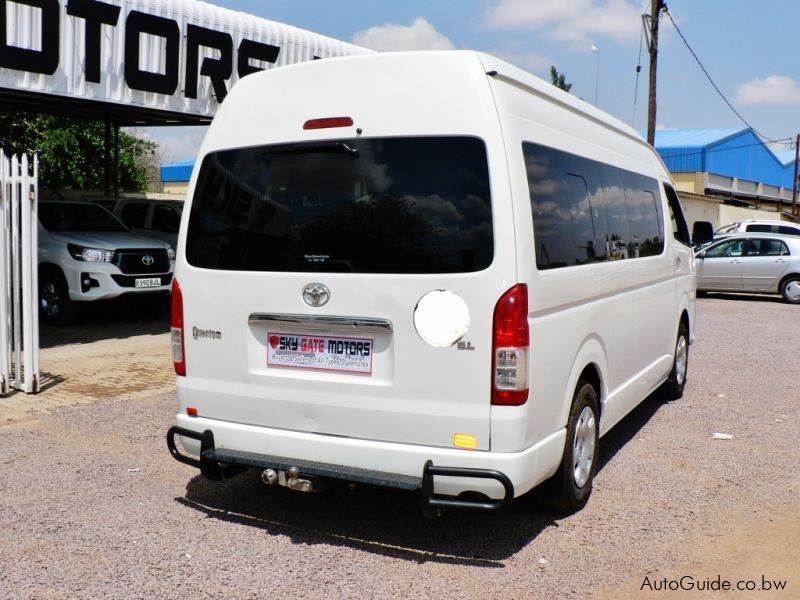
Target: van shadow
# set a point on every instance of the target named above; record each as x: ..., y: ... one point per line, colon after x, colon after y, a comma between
x: 371, y: 520
x: 109, y: 319
x: 628, y: 428
x: 390, y: 523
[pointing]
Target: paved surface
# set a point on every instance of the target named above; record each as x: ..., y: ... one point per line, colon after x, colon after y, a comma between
x: 109, y: 353
x: 92, y: 506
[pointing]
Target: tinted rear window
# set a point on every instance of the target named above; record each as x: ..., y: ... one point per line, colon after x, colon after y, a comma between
x: 394, y: 205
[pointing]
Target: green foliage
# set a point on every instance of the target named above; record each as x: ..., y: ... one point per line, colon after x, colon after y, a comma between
x: 72, y: 152
x: 558, y: 80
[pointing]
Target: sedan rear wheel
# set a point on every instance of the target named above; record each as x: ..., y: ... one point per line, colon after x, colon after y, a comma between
x: 790, y: 290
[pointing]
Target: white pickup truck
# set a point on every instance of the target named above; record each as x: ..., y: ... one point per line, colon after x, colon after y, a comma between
x: 86, y: 254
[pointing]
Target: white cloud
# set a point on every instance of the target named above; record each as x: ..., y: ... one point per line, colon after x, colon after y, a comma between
x: 662, y: 127
x: 576, y: 21
x: 419, y: 35
x: 775, y: 89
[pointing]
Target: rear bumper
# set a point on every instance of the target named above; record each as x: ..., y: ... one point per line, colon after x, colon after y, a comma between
x: 212, y: 459
x: 439, y: 475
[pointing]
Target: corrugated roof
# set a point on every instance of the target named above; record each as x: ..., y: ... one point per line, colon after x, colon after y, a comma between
x: 693, y: 138
x: 177, y: 171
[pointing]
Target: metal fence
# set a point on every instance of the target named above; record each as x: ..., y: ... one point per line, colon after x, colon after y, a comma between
x: 19, y: 314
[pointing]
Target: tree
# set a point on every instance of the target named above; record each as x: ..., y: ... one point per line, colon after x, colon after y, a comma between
x: 72, y: 152
x: 558, y: 80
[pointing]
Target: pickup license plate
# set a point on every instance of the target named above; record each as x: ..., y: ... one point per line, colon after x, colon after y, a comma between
x: 320, y: 352
x: 149, y: 282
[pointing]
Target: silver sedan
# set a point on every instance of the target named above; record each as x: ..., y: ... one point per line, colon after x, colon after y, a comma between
x: 752, y: 262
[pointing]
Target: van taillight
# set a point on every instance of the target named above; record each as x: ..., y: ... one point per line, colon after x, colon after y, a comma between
x: 176, y: 331
x: 510, y: 342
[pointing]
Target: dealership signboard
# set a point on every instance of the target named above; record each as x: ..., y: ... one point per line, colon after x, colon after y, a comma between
x: 175, y: 56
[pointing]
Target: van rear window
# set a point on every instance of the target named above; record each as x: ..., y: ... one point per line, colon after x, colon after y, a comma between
x: 392, y: 205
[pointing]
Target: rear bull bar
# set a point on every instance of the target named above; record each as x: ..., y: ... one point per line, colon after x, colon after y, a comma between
x: 219, y: 463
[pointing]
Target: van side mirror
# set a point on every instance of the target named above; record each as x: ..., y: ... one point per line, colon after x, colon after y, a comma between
x: 702, y: 232
x: 701, y: 254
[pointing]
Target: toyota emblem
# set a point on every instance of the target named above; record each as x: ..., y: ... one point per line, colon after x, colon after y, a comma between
x: 148, y: 260
x: 316, y: 295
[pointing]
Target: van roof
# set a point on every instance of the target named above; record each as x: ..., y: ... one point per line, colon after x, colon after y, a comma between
x: 502, y: 70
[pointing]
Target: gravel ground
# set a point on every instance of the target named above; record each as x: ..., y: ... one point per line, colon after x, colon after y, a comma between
x: 93, y: 506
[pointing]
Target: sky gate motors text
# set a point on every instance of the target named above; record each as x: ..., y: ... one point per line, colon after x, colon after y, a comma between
x: 96, y: 14
x: 341, y: 347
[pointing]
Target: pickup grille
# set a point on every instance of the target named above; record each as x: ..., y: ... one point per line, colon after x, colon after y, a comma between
x: 133, y: 262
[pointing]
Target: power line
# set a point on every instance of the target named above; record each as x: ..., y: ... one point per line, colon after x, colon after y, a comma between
x: 711, y: 81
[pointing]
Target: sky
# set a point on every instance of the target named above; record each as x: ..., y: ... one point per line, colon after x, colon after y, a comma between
x: 747, y: 47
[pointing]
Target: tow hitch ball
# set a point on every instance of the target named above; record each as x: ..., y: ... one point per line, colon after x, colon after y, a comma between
x: 290, y: 479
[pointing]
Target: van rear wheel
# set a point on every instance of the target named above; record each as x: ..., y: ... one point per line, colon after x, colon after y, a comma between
x: 569, y: 489
x: 672, y: 388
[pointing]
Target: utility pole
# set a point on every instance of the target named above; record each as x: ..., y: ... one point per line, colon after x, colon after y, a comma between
x: 794, y: 181
x: 656, y: 6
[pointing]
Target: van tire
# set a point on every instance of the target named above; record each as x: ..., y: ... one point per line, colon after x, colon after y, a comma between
x: 55, y: 306
x: 790, y: 289
x: 569, y: 489
x: 672, y: 388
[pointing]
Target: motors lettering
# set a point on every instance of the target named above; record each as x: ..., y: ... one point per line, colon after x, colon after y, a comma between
x: 97, y: 14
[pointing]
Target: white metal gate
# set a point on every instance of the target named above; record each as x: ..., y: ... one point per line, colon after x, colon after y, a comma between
x: 19, y: 314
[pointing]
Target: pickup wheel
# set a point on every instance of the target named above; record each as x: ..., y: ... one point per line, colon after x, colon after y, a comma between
x: 55, y: 307
x: 569, y: 489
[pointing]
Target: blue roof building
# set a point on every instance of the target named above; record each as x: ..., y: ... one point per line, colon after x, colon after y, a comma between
x: 177, y: 172
x: 731, y: 162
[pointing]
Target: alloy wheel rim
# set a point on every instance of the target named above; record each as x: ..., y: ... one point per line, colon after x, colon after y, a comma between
x: 681, y: 359
x: 51, y: 300
x: 583, y: 447
x: 793, y: 291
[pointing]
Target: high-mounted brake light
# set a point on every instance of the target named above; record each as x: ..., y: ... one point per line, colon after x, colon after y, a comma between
x: 510, y: 342
x: 176, y: 331
x: 328, y: 123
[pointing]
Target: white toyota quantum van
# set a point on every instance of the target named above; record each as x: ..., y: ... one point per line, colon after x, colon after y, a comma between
x: 426, y: 271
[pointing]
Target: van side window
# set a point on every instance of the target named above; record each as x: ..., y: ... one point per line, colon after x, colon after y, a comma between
x: 587, y: 211
x: 680, y: 231
x: 645, y: 218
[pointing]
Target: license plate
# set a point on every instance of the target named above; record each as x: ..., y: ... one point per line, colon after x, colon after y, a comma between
x: 149, y: 282
x: 320, y: 352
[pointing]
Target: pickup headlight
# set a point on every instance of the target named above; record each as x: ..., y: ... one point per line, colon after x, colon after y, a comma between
x: 171, y: 253
x: 90, y: 254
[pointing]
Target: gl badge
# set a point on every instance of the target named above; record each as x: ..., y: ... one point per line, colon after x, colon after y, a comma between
x: 316, y: 295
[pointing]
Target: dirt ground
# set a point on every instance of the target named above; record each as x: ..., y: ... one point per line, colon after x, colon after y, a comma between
x: 92, y: 505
